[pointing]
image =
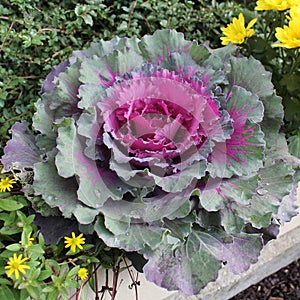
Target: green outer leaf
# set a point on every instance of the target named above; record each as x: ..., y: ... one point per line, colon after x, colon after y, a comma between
x: 137, y: 237
x: 239, y: 160
x: 102, y: 70
x: 277, y: 148
x: 21, y: 151
x: 91, y: 94
x: 254, y: 199
x: 224, y: 53
x: 147, y: 210
x: 198, y: 53
x: 89, y: 126
x: 67, y: 147
x: 65, y: 97
x: 276, y: 181
x: 250, y: 74
x: 218, y: 193
x: 42, y: 119
x: 103, y: 48
x: 163, y: 42
x: 212, y: 200
x: 119, y: 226
x: 230, y: 220
x: 178, y: 182
x: 84, y: 214
x: 55, y: 190
x: 288, y: 207
x: 239, y: 250
x: 247, y: 105
x: 186, y: 268
x: 180, y: 228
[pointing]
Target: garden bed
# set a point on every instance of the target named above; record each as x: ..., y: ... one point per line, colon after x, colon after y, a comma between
x: 282, y: 285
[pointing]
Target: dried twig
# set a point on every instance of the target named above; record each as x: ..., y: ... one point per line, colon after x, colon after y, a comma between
x: 131, y: 14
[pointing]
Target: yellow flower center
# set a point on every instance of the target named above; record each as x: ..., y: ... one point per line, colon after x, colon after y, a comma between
x: 74, y: 242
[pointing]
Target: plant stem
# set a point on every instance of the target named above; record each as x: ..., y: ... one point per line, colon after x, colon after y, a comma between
x: 79, y: 291
x: 77, y: 294
x: 134, y: 282
x: 96, y: 283
x: 115, y: 281
x: 296, y: 61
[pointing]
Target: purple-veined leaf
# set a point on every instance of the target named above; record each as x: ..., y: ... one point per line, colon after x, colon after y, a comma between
x: 243, y: 152
x: 189, y: 266
x: 250, y: 74
x: 21, y: 151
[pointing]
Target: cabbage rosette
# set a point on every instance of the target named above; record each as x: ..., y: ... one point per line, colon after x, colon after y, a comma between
x: 164, y: 147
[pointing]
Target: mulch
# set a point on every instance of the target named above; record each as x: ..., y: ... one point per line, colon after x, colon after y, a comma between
x: 282, y: 285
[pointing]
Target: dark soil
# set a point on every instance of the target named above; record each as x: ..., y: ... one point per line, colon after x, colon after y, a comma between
x: 282, y: 285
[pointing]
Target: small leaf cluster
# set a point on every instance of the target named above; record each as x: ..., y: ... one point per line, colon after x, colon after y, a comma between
x: 53, y: 270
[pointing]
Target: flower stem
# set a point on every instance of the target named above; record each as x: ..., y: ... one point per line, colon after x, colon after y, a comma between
x: 96, y: 282
x: 134, y: 282
x: 296, y: 61
x: 116, y: 272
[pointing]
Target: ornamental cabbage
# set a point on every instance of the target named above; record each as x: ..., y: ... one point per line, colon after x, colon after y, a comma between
x: 164, y: 147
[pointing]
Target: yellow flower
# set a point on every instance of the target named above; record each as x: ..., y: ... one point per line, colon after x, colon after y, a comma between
x: 294, y: 3
x: 275, y: 4
x: 294, y: 12
x: 289, y: 36
x: 29, y: 239
x: 6, y: 184
x: 15, y: 265
x: 236, y: 32
x: 74, y: 242
x: 83, y: 273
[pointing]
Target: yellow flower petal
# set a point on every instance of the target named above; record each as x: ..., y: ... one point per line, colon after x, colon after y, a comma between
x: 275, y: 4
x: 289, y: 36
x: 236, y: 32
